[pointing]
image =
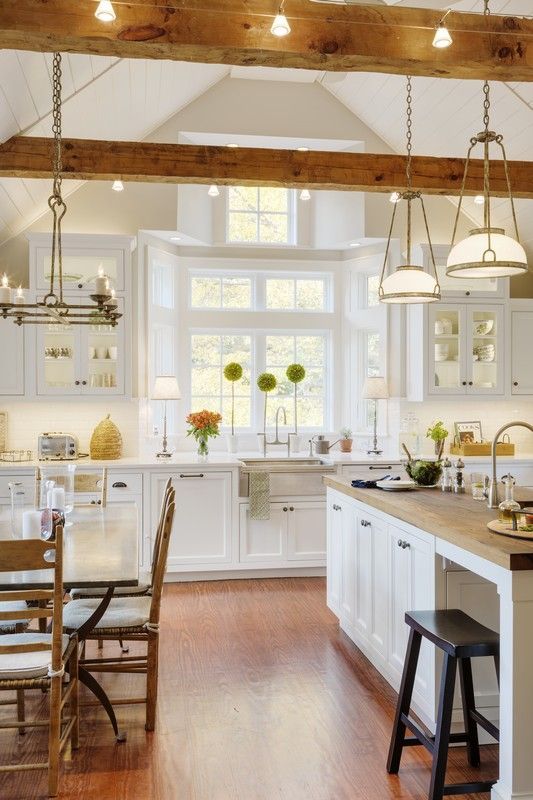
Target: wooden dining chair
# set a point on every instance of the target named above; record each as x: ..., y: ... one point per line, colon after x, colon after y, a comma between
x: 32, y: 660
x: 90, y: 488
x: 130, y: 619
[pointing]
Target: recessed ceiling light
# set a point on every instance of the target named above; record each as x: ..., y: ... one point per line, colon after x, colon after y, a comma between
x: 118, y: 186
x: 355, y: 244
x: 213, y: 191
x: 395, y: 197
x: 105, y: 11
x: 305, y: 194
x: 232, y: 144
x: 175, y: 238
x: 303, y: 149
x: 479, y: 199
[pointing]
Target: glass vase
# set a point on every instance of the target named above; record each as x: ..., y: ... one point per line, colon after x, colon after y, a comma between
x: 203, y: 448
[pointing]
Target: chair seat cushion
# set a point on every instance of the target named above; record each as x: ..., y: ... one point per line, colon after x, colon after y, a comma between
x: 8, y: 625
x: 122, y: 612
x: 99, y: 591
x: 21, y: 666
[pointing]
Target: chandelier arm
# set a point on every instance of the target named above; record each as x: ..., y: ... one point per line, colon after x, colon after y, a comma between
x: 391, y: 228
x: 508, y: 179
x: 461, y: 195
x: 426, y: 225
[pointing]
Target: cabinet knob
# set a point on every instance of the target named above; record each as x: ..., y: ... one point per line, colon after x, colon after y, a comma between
x: 464, y: 383
x: 84, y: 383
x: 365, y: 523
x: 285, y: 508
x: 405, y: 544
x: 291, y: 508
x: 399, y: 543
x: 515, y: 383
x: 467, y: 294
x: 470, y: 383
x: 77, y: 383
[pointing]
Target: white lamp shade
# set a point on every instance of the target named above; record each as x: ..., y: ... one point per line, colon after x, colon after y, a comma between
x: 471, y: 257
x: 442, y: 37
x: 280, y: 26
x: 105, y: 11
x: 166, y: 388
x: 409, y: 284
x: 375, y: 388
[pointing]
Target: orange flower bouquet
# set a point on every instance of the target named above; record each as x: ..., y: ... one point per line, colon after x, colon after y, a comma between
x: 203, y: 424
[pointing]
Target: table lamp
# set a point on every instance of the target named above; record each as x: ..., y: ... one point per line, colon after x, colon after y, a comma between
x: 165, y: 388
x: 375, y: 388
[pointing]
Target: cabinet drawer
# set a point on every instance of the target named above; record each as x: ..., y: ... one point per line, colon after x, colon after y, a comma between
x: 28, y: 481
x: 121, y: 483
x: 372, y: 472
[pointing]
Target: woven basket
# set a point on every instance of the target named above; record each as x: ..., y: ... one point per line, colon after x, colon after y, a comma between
x: 106, y: 441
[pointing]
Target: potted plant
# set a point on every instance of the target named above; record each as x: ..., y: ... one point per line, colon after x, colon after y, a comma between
x: 203, y: 424
x: 346, y: 440
x: 266, y: 383
x: 232, y: 373
x: 438, y: 433
x: 295, y: 374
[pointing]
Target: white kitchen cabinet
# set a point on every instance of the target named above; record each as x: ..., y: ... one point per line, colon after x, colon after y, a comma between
x: 306, y: 535
x: 456, y: 350
x: 521, y: 359
x: 203, y: 522
x: 295, y: 532
x: 11, y: 359
x: 371, y: 580
x: 335, y: 554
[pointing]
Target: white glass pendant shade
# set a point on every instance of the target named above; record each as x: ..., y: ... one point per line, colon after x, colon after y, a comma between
x: 409, y: 284
x: 280, y: 26
x: 474, y: 257
x: 442, y: 37
x: 105, y: 11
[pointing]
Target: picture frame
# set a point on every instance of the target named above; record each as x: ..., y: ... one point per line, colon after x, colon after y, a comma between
x: 468, y: 432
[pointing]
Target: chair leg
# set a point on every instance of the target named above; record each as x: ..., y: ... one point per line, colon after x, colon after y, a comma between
x: 469, y: 704
x: 74, y: 700
x: 404, y: 701
x: 444, y: 721
x: 151, y: 681
x: 53, y: 736
x: 124, y: 647
x: 21, y: 712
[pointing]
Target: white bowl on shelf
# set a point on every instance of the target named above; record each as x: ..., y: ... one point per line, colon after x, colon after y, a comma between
x: 483, y: 327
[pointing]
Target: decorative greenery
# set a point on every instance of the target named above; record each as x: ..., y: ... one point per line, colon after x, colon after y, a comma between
x: 346, y: 433
x: 295, y: 373
x: 438, y: 433
x: 233, y: 373
x: 203, y: 425
x: 266, y: 383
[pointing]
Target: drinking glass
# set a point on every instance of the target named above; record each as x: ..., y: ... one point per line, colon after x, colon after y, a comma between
x: 477, y: 484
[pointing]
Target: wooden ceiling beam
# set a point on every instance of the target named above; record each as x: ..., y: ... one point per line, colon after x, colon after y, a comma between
x: 87, y: 159
x: 237, y: 32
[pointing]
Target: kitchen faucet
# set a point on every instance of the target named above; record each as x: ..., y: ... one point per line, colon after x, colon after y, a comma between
x: 277, y: 439
x: 493, y: 499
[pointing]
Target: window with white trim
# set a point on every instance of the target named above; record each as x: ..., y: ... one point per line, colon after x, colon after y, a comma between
x: 210, y: 291
x: 296, y: 294
x: 210, y: 352
x: 309, y: 350
x: 260, y: 215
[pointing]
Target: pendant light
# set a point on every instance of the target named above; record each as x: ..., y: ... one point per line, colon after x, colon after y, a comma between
x: 487, y: 252
x: 442, y: 38
x: 408, y: 283
x: 53, y: 308
x: 105, y: 11
x: 280, y: 26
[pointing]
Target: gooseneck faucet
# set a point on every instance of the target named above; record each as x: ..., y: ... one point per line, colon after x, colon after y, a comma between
x: 493, y: 499
x: 277, y: 439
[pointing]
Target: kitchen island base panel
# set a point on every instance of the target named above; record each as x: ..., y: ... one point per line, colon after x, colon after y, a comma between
x: 492, y: 561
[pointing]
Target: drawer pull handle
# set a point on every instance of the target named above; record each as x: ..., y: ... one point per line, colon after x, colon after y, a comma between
x: 382, y: 467
x: 119, y: 485
x: 192, y: 475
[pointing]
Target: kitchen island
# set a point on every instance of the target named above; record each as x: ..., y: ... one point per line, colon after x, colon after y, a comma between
x: 391, y: 552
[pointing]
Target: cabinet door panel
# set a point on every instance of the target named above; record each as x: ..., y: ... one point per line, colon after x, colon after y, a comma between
x: 348, y: 524
x: 486, y: 349
x: 380, y: 587
x: 264, y: 540
x: 334, y: 552
x: 522, y: 336
x: 202, y: 527
x: 447, y: 367
x: 363, y: 574
x: 307, y: 532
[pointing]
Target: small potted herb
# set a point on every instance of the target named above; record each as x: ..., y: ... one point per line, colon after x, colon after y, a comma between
x: 232, y: 373
x: 295, y: 374
x: 438, y: 433
x: 266, y: 383
x: 346, y: 440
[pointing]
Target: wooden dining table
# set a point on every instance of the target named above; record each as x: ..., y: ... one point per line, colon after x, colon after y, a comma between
x: 100, y: 548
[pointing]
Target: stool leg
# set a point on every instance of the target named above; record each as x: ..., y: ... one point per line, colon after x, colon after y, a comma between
x: 469, y: 704
x: 444, y: 721
x: 404, y: 701
x: 497, y: 668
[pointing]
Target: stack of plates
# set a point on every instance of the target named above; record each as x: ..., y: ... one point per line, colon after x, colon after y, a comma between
x: 484, y: 327
x: 485, y: 352
x: 442, y: 352
x: 396, y: 486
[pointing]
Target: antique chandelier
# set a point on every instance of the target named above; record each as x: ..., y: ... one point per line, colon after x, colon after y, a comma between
x: 53, y: 308
x: 409, y: 283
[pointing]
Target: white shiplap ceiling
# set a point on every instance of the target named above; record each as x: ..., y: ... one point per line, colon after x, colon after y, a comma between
x: 104, y: 98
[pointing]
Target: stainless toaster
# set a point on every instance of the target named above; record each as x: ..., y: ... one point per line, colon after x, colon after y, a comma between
x: 57, y: 447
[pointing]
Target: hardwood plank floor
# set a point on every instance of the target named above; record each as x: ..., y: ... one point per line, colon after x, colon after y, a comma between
x: 261, y: 697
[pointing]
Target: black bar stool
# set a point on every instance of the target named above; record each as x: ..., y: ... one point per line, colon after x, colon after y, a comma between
x: 460, y: 638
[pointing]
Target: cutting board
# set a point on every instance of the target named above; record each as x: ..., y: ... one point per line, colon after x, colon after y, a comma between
x: 506, y: 529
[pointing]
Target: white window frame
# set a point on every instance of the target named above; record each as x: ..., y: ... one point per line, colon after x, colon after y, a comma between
x: 201, y: 273
x: 292, y: 223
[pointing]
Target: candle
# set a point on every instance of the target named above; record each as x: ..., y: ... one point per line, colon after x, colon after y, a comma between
x: 19, y: 297
x: 5, y: 291
x: 58, y: 498
x: 112, y: 302
x: 31, y: 525
x: 100, y: 282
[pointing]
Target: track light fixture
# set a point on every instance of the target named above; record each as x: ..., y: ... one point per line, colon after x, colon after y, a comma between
x: 305, y: 194
x: 213, y: 191
x: 118, y: 186
x: 280, y: 26
x: 442, y: 38
x: 105, y: 11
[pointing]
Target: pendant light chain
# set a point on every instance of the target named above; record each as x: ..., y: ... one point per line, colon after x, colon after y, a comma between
x: 409, y: 133
x: 55, y: 201
x: 486, y: 162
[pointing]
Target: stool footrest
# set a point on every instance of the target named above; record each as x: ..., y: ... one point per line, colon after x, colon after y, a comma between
x: 484, y: 723
x: 468, y: 788
x: 423, y: 738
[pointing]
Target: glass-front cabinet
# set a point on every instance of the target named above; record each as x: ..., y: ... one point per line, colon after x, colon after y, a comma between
x: 80, y: 359
x: 465, y: 349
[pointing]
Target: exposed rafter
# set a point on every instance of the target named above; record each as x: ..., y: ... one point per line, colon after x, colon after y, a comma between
x: 88, y: 159
x: 237, y: 32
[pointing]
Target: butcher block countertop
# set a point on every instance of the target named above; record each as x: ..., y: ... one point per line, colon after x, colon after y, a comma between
x: 455, y: 518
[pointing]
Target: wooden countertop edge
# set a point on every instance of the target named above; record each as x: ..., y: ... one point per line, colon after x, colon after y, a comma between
x: 490, y: 551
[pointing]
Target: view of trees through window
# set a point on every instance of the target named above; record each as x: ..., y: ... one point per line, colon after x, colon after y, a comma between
x: 300, y: 294
x: 209, y: 389
x: 226, y: 292
x: 310, y: 351
x: 242, y: 290
x: 373, y: 367
x: 259, y: 215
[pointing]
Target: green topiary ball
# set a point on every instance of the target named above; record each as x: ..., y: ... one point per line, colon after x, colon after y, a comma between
x: 233, y: 371
x: 295, y: 373
x: 267, y: 382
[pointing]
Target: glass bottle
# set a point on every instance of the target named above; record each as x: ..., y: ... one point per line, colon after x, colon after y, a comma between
x: 507, y: 506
